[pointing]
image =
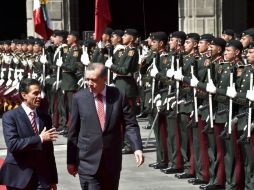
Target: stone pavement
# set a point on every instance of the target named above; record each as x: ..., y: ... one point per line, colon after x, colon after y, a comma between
x: 132, y: 178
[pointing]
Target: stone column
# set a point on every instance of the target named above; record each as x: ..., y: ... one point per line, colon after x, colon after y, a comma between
x: 200, y: 16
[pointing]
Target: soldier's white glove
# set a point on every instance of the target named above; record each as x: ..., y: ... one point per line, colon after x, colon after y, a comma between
x: 43, y: 94
x: 178, y: 75
x: 250, y: 95
x: 59, y: 62
x: 15, y: 60
x: 85, y: 58
x: 9, y: 82
x: 40, y: 79
x: 34, y: 75
x: 47, y: 77
x: 157, y: 97
x: 15, y: 82
x: 7, y: 59
x: 158, y: 104
x: 30, y: 63
x: 1, y: 82
x: 109, y: 63
x: 154, y: 71
x: 101, y: 45
x: 210, y: 87
x: 194, y: 81
x: 231, y: 92
x: 170, y: 73
x: 81, y: 82
x: 43, y: 59
x: 24, y: 63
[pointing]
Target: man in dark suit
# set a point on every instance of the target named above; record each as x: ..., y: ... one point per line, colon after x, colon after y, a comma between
x: 30, y: 162
x: 99, y: 116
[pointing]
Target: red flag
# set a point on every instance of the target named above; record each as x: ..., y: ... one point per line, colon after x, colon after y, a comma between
x: 42, y: 22
x: 102, y: 17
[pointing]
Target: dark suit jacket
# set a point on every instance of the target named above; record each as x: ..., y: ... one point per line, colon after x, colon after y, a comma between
x: 86, y: 140
x: 25, y: 152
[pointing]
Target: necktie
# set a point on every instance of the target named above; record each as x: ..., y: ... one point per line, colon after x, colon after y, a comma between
x: 100, y: 110
x: 34, y: 126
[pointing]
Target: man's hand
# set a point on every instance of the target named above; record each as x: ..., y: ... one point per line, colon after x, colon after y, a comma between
x: 85, y: 58
x: 154, y: 72
x: 139, y: 157
x: 59, y: 62
x: 53, y: 187
x: 170, y: 73
x: 194, y: 81
x: 49, y: 135
x: 72, y: 169
x: 211, y: 88
x: 231, y: 92
x: 43, y: 59
x: 250, y: 95
x: 178, y: 75
x: 109, y: 63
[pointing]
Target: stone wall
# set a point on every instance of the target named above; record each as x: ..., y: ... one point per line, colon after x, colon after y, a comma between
x: 200, y: 16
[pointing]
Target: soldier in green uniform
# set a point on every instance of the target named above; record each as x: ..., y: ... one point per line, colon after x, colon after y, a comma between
x: 239, y: 97
x: 118, y: 49
x: 158, y: 73
x: 69, y: 68
x: 228, y: 34
x: 176, y: 45
x: 233, y: 157
x: 186, y: 108
x: 215, y: 144
x: 103, y: 48
x: 246, y: 39
x: 125, y: 69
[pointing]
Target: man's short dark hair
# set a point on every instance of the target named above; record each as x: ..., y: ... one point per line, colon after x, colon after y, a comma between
x: 26, y: 83
x: 93, y: 66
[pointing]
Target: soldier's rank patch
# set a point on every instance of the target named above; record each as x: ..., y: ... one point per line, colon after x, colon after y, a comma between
x: 120, y: 54
x: 75, y: 54
x: 131, y: 53
x: 65, y: 50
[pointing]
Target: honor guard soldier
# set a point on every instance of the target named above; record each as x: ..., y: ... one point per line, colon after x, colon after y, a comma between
x: 213, y: 130
x: 159, y: 93
x: 125, y: 69
x: 104, y: 48
x: 175, y: 55
x: 69, y: 68
x: 226, y: 75
x: 246, y: 39
x: 228, y: 34
x: 187, y: 107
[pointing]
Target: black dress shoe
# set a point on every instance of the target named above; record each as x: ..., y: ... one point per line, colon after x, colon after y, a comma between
x: 147, y: 126
x: 160, y: 165
x: 152, y: 164
x: 184, y: 176
x: 142, y: 115
x: 198, y: 182
x: 191, y: 180
x: 211, y: 187
x: 127, y: 150
x: 172, y: 170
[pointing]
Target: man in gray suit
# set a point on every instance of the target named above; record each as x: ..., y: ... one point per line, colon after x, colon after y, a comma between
x: 100, y: 115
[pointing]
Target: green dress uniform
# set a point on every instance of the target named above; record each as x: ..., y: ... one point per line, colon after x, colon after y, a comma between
x: 242, y: 85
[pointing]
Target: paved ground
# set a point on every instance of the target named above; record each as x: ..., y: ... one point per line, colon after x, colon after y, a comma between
x: 132, y: 178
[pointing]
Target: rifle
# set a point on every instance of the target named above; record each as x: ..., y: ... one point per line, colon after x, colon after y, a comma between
x: 109, y: 56
x: 210, y: 99
x: 151, y: 130
x: 177, y: 84
x: 153, y: 82
x: 195, y: 98
x: 250, y: 109
x: 43, y: 69
x: 169, y: 86
x: 58, y: 72
x: 230, y: 105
